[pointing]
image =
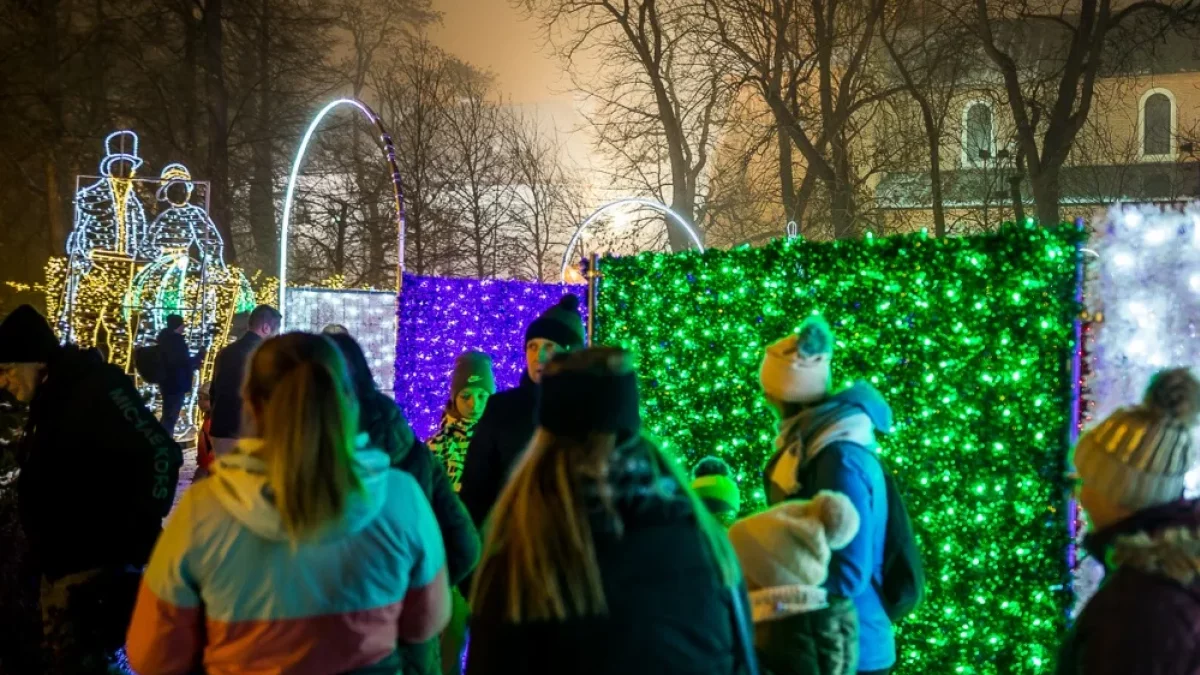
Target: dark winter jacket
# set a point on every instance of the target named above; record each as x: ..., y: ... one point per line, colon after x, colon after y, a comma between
x: 228, y: 373
x: 389, y: 431
x: 99, y: 473
x: 1145, y: 619
x: 822, y: 642
x: 501, y: 436
x: 668, y: 611
x: 851, y: 468
x: 178, y: 364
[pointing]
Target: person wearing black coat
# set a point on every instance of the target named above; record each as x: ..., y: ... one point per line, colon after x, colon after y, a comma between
x: 98, y: 475
x: 508, y: 422
x: 178, y: 367
x: 228, y: 373
x: 600, y: 560
x: 388, y: 430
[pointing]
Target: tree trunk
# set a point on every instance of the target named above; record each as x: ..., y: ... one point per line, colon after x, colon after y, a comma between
x: 188, y: 95
x: 803, y: 195
x: 262, y: 179
x: 683, y: 203
x: 787, y: 185
x: 935, y: 171
x: 1046, y: 194
x: 57, y: 231
x: 841, y: 191
x: 218, y: 124
x: 52, y: 95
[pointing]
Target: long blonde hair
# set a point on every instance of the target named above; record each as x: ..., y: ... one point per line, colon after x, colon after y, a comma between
x: 539, y: 555
x: 307, y: 418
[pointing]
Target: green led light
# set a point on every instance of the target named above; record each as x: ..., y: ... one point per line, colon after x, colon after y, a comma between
x: 966, y: 338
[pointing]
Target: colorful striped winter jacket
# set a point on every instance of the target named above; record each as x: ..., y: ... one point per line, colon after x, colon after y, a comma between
x: 226, y: 592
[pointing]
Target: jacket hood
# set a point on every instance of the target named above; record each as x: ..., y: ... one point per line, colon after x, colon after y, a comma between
x: 1164, y: 541
x: 240, y: 483
x: 868, y: 399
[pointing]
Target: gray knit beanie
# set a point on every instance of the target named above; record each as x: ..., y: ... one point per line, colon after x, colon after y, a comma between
x: 1139, y: 456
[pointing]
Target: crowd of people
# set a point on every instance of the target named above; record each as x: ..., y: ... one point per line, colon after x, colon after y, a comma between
x: 539, y: 530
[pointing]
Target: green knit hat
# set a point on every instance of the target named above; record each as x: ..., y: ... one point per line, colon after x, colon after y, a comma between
x: 712, y: 483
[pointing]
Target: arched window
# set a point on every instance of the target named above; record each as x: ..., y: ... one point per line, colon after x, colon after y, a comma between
x: 979, y: 134
x: 1156, y: 124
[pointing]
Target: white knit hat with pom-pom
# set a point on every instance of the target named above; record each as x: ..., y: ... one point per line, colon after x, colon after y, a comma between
x: 791, y: 543
x: 1138, y: 457
x: 797, y: 368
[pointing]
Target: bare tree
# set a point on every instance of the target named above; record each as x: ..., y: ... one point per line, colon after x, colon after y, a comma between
x: 479, y: 186
x: 547, y: 203
x: 415, y: 90
x: 794, y: 51
x: 1049, y: 55
x: 660, y: 98
x: 925, y: 47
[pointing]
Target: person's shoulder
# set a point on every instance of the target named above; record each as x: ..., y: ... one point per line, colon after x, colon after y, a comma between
x: 511, y: 399
x: 1135, y: 611
x: 852, y: 455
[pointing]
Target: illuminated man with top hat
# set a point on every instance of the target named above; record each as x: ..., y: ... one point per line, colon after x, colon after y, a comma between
x: 102, y: 249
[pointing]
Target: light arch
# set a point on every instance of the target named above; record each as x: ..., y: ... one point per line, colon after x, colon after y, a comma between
x: 389, y: 151
x: 640, y: 201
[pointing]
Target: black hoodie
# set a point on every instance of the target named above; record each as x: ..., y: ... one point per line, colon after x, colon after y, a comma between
x: 500, y: 438
x: 99, y: 473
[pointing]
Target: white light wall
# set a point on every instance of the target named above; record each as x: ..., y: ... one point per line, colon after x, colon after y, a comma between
x: 369, y: 316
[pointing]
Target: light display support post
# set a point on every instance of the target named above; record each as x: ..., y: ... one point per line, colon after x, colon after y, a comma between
x: 389, y: 152
x: 637, y: 201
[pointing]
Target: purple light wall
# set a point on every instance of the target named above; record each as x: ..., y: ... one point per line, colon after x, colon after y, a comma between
x: 441, y: 318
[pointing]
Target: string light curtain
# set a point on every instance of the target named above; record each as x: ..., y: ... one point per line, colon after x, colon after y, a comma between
x: 441, y: 318
x: 969, y: 339
x: 1143, y: 297
x: 369, y: 316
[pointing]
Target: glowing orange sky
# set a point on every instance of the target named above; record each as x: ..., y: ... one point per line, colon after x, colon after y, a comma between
x: 492, y: 35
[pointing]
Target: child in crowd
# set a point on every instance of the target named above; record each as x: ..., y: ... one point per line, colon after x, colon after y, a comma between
x: 712, y: 481
x: 471, y: 385
x: 303, y: 552
x: 1132, y: 471
x: 785, y: 552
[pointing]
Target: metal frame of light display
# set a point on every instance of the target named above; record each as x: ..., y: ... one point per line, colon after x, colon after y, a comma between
x: 1143, y: 299
x: 626, y: 201
x: 389, y: 153
x: 968, y: 338
x: 369, y: 316
x: 441, y: 318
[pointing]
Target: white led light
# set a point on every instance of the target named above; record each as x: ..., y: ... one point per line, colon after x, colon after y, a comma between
x: 311, y: 309
x: 1157, y: 236
x: 1123, y: 259
x: 1132, y: 219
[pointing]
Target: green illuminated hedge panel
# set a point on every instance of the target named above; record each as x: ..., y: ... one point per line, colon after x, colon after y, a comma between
x: 969, y: 341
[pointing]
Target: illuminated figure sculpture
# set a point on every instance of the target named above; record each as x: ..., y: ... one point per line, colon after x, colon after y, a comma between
x: 102, y: 250
x: 186, y: 275
x: 182, y: 226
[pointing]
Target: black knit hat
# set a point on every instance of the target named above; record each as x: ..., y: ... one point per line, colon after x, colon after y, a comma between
x: 590, y: 391
x: 560, y: 324
x: 25, y: 337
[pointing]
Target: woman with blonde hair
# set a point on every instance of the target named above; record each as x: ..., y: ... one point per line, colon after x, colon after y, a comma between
x: 304, y: 552
x: 598, y: 558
